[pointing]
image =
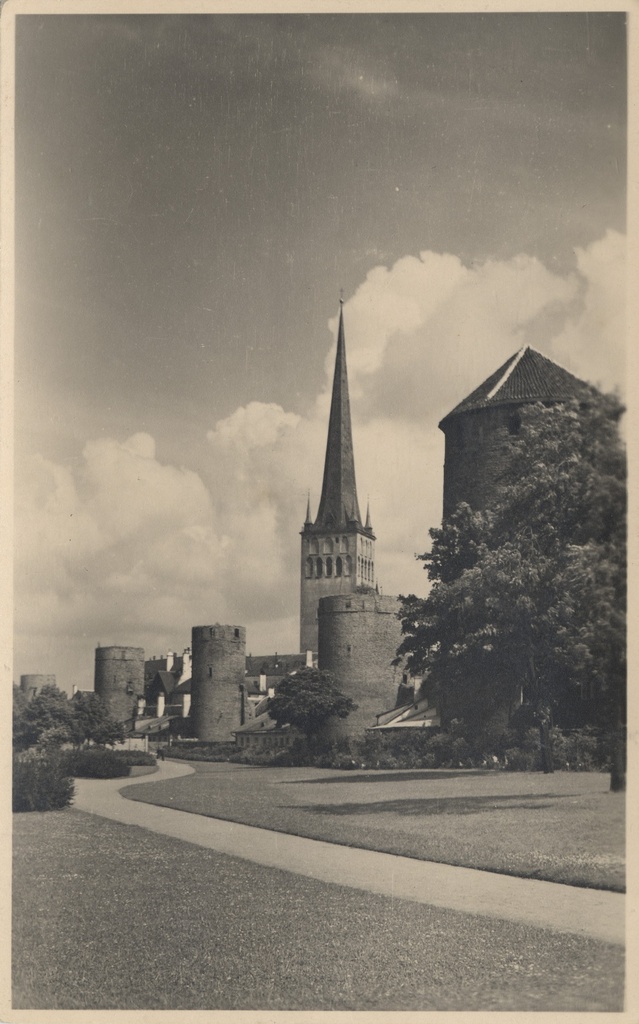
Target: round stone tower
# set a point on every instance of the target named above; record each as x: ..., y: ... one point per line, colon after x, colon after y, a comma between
x: 119, y: 679
x: 32, y: 684
x: 358, y: 639
x: 480, y: 429
x: 218, y: 666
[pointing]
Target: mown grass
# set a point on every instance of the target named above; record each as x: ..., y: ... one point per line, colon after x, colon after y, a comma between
x: 564, y: 827
x: 109, y: 916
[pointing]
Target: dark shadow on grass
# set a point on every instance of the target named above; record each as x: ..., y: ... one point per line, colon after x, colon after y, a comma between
x: 435, y: 805
x: 397, y: 775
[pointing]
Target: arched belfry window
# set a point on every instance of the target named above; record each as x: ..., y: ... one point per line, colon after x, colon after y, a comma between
x: 319, y: 567
x: 314, y: 548
x: 309, y: 568
x: 338, y: 566
x: 348, y: 565
x: 329, y: 566
x: 327, y: 546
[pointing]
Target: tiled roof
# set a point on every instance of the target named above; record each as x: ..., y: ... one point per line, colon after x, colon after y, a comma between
x: 526, y: 377
x: 262, y: 724
x: 274, y: 664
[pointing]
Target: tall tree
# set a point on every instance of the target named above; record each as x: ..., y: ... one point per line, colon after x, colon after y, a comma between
x: 46, y: 719
x: 529, y: 595
x: 93, y: 722
x: 308, y: 700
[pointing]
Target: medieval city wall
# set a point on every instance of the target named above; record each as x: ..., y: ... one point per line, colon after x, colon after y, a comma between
x: 33, y: 683
x: 477, y: 446
x: 218, y: 661
x: 119, y: 679
x: 358, y: 638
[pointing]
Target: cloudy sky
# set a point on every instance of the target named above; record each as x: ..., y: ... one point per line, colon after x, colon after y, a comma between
x: 192, y: 194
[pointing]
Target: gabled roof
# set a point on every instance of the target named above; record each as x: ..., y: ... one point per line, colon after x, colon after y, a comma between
x: 262, y: 724
x: 184, y: 687
x: 526, y: 377
x: 416, y: 715
x: 166, y: 680
x: 274, y: 664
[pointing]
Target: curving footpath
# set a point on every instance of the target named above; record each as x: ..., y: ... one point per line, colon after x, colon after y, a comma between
x: 591, y: 913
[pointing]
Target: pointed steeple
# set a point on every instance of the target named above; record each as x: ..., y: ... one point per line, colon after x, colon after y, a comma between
x: 368, y: 525
x: 308, y: 521
x: 338, y: 503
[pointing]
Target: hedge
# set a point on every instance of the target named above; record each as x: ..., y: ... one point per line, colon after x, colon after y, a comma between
x: 41, y: 781
x: 101, y: 763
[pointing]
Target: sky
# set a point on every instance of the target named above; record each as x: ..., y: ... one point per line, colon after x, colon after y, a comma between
x: 192, y: 195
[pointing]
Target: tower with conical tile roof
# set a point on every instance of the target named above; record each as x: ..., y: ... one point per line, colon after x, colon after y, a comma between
x: 338, y: 550
x: 478, y: 430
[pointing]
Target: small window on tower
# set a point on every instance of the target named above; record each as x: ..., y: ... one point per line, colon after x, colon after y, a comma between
x: 514, y: 424
x: 329, y: 566
x: 338, y: 566
x: 319, y: 567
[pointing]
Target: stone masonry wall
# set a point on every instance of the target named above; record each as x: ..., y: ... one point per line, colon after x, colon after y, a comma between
x: 477, y: 445
x: 33, y: 683
x: 218, y: 667
x: 358, y: 637
x: 119, y: 678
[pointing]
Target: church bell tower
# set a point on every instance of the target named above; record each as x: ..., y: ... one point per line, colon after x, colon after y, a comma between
x: 338, y: 551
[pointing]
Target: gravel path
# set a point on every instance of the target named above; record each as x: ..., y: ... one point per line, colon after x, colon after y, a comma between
x: 561, y: 908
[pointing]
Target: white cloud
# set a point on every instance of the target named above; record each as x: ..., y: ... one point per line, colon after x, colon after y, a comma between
x: 125, y: 549
x: 595, y: 337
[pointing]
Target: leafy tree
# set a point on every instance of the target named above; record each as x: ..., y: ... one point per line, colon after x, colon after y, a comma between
x: 48, y: 716
x: 20, y: 702
x: 308, y: 700
x: 50, y: 719
x: 92, y: 721
x: 528, y: 595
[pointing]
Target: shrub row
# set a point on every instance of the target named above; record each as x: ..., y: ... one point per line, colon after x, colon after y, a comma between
x: 41, y: 782
x: 202, y: 751
x: 583, y: 750
x: 101, y: 763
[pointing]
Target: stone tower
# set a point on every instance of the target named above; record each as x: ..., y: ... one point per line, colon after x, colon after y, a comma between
x: 119, y: 679
x: 478, y: 430
x: 358, y: 639
x: 338, y: 550
x: 218, y: 668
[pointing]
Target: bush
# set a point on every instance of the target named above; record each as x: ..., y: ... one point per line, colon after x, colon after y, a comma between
x: 136, y: 757
x: 518, y: 760
x: 202, y: 751
x: 41, y: 782
x: 580, y: 751
x: 96, y: 763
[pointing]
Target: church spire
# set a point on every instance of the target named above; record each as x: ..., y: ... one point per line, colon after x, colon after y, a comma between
x: 368, y: 525
x: 338, y: 502
x: 308, y: 521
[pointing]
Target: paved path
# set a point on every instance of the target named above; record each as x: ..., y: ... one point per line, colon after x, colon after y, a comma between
x: 562, y: 908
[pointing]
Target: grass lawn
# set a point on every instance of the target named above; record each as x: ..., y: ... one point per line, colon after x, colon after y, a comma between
x: 109, y: 916
x: 564, y: 827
